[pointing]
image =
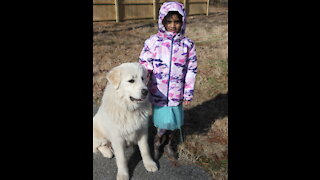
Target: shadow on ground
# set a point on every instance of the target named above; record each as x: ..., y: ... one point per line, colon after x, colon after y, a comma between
x: 199, y: 119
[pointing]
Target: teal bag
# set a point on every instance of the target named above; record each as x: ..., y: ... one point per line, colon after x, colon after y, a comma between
x: 168, y: 117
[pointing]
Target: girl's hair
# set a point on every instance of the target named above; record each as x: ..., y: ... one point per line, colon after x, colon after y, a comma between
x: 169, y: 15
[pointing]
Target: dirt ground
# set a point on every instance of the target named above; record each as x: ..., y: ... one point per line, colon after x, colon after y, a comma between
x: 206, y: 119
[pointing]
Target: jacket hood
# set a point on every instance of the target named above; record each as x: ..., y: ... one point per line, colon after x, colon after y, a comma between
x: 171, y: 6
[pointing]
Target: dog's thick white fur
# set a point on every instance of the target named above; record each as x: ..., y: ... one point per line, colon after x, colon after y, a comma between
x: 122, y: 118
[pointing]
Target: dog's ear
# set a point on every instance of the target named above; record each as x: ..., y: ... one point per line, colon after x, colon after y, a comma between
x: 114, y: 77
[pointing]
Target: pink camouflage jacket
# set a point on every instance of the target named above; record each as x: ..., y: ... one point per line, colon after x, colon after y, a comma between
x: 171, y: 61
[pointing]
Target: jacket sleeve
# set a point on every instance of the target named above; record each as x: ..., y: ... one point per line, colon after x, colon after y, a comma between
x: 191, y: 74
x: 146, y: 56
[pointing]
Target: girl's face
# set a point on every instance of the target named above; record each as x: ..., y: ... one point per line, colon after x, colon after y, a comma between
x: 173, y: 24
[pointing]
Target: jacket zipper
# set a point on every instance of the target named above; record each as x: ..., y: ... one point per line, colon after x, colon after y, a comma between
x: 170, y: 71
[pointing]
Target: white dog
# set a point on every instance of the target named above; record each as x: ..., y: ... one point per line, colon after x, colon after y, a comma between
x: 122, y: 118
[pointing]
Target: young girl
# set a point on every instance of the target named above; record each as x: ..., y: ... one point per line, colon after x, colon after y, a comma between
x: 171, y: 60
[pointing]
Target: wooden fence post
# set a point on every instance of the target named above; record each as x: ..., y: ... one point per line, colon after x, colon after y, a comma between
x: 116, y: 4
x: 185, y: 3
x: 208, y: 3
x: 155, y: 9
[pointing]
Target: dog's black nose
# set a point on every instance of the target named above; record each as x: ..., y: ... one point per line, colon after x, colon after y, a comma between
x: 144, y: 92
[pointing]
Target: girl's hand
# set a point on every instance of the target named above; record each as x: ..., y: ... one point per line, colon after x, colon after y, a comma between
x: 148, y: 78
x: 186, y: 102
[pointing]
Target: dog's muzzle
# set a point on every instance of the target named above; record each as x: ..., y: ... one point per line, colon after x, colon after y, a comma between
x: 144, y: 93
x: 134, y: 99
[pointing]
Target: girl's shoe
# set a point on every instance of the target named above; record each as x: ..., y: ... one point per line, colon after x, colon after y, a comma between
x: 158, y: 141
x: 168, y: 148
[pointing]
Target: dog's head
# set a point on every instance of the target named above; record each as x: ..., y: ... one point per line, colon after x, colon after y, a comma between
x: 129, y: 81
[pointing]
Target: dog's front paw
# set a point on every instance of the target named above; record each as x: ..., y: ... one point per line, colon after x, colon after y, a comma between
x: 122, y: 176
x: 106, y: 152
x: 151, y: 166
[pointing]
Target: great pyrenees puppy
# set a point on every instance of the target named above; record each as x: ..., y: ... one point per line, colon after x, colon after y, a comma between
x: 122, y: 118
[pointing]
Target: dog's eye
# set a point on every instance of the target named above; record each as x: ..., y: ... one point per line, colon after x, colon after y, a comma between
x: 131, y: 81
x: 142, y: 78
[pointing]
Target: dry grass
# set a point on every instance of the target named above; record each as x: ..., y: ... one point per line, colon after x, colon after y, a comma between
x: 206, y: 119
